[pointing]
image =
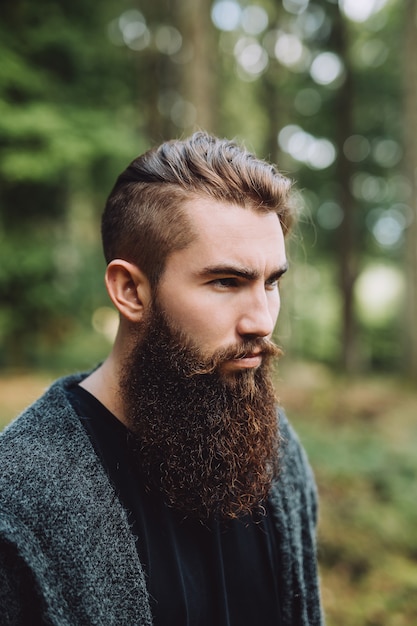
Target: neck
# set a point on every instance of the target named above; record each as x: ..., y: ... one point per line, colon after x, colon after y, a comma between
x: 103, y: 383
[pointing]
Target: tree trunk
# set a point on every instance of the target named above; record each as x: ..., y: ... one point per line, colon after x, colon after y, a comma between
x: 198, y: 74
x: 347, y: 238
x: 410, y: 143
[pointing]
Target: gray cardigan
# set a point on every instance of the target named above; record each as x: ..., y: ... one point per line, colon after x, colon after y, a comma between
x: 63, y: 527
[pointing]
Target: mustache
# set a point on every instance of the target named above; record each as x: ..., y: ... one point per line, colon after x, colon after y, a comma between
x: 263, y: 347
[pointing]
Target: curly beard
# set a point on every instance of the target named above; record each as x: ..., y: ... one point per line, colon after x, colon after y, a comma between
x: 207, y: 441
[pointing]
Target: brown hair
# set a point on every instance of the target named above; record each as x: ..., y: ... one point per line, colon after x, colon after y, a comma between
x: 143, y: 221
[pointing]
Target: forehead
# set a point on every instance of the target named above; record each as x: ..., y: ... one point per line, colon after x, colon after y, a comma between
x: 224, y: 232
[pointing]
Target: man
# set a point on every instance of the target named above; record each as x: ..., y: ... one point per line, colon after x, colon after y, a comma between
x: 163, y: 487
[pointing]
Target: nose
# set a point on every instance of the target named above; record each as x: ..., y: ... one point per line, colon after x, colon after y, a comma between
x: 259, y: 315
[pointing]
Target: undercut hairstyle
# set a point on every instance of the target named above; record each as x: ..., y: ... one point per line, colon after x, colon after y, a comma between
x: 144, y: 219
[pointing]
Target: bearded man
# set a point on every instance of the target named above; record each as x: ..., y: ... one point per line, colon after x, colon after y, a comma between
x: 164, y: 487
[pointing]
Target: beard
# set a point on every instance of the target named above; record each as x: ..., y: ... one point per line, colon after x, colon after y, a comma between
x: 207, y: 441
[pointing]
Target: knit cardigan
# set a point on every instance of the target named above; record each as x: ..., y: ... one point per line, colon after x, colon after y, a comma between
x: 63, y: 527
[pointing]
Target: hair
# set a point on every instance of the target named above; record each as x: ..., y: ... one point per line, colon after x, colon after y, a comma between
x: 144, y: 219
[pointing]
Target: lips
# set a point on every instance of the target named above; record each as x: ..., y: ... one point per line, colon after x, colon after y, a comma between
x: 250, y: 355
x: 249, y: 359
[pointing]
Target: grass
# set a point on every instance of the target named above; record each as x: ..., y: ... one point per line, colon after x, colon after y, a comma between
x: 361, y: 437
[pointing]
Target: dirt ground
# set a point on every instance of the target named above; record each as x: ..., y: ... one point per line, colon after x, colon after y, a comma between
x: 18, y: 390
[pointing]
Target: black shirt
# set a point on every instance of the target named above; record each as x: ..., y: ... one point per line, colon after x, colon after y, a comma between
x: 222, y: 574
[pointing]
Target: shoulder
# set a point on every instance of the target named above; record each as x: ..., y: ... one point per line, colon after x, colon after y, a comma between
x: 61, y: 517
x: 44, y: 412
x: 44, y: 425
x: 44, y: 447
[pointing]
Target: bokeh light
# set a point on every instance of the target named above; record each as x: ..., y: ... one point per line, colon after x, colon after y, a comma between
x: 388, y: 225
x: 356, y: 148
x: 312, y: 23
x: 134, y: 30
x: 379, y: 293
x: 361, y: 10
x: 105, y: 321
x: 183, y: 113
x: 168, y: 40
x: 329, y: 215
x: 387, y: 152
x: 288, y: 49
x: 326, y: 68
x: 251, y: 56
x: 308, y: 101
x: 370, y: 188
x: 370, y: 53
x: 295, y: 6
x: 254, y: 20
x: 226, y: 14
x: 130, y: 29
x: 316, y: 153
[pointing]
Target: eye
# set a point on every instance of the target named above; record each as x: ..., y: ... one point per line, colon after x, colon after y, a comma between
x: 272, y: 284
x: 225, y: 283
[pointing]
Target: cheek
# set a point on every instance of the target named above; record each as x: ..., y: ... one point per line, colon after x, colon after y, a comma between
x: 210, y: 327
x: 206, y: 323
x: 275, y: 307
x: 192, y: 315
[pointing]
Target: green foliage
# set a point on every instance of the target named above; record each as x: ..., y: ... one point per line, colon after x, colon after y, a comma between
x: 67, y: 127
x: 79, y: 99
x: 361, y: 440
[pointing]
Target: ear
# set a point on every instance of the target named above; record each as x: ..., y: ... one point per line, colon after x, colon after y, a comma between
x: 128, y: 288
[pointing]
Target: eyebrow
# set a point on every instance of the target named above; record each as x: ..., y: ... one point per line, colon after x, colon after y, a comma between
x: 240, y: 272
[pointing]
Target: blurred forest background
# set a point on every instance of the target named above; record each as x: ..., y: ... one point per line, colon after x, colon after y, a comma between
x: 326, y: 89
